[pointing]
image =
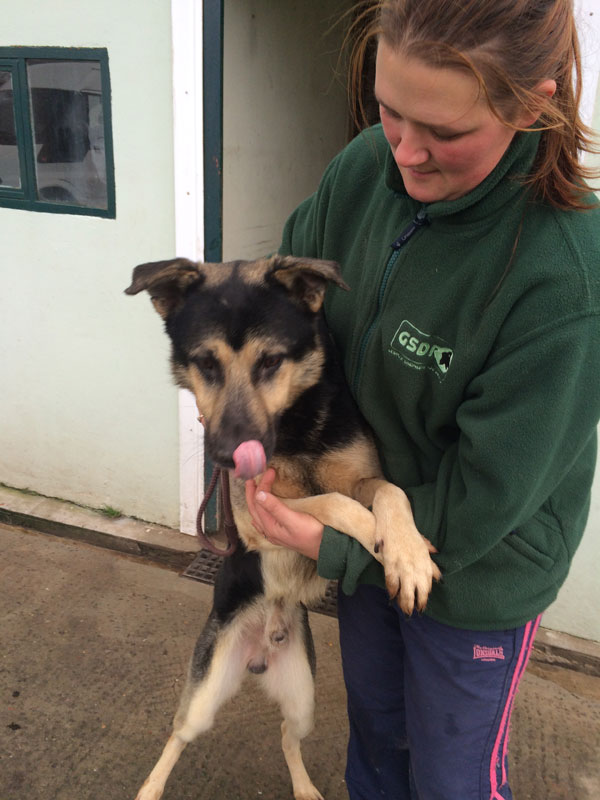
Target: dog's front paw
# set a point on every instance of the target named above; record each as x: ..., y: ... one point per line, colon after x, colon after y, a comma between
x: 409, y: 571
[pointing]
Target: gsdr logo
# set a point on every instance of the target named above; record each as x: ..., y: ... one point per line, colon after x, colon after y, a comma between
x: 421, y: 350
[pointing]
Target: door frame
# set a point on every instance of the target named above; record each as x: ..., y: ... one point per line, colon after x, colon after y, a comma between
x: 197, y: 41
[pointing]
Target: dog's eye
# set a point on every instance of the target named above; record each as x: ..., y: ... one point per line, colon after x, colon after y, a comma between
x: 208, y: 365
x: 270, y: 363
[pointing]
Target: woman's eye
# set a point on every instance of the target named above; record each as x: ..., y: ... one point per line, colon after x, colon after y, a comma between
x: 446, y: 137
x: 383, y: 111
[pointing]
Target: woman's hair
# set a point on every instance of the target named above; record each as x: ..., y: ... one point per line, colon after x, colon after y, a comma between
x: 511, y: 47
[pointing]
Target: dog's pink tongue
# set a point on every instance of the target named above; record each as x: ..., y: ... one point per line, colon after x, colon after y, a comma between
x: 249, y: 459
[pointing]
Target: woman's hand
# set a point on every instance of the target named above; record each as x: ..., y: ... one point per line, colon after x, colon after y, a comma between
x: 278, y: 523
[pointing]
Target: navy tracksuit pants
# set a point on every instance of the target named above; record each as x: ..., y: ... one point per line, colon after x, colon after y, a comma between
x: 429, y: 705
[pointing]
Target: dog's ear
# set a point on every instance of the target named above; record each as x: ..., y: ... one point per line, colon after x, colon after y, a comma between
x: 165, y: 282
x: 307, y: 278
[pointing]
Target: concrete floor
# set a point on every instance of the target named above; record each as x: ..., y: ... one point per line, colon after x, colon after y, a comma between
x: 95, y: 645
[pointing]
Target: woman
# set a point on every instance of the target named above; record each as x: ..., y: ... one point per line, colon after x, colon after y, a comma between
x: 470, y: 340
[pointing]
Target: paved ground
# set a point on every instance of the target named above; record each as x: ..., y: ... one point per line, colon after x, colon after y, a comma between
x: 94, y: 648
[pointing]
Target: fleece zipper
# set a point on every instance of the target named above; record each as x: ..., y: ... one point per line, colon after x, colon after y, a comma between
x: 418, y: 222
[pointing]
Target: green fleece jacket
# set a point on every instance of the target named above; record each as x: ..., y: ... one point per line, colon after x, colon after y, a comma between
x: 471, y: 342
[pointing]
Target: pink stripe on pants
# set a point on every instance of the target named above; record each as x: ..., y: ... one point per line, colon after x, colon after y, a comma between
x: 503, y: 731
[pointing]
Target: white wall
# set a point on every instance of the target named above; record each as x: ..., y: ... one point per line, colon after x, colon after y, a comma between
x: 87, y: 410
x: 285, y: 114
x: 576, y: 610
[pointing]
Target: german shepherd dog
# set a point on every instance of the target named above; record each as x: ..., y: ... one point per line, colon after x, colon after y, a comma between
x: 250, y: 341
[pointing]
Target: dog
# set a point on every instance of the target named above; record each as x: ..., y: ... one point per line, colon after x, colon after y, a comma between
x: 249, y: 339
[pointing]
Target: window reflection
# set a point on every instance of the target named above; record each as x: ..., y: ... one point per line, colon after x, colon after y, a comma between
x: 9, y: 156
x: 68, y: 127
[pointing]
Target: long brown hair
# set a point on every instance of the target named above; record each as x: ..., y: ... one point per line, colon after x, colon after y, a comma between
x: 511, y: 47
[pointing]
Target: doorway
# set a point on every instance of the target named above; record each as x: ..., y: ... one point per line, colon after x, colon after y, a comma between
x: 275, y: 112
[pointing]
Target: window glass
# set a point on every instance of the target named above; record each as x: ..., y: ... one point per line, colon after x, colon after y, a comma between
x: 9, y: 155
x: 68, y: 131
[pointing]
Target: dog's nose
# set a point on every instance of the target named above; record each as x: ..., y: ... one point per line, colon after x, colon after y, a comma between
x: 221, y: 458
x: 220, y: 449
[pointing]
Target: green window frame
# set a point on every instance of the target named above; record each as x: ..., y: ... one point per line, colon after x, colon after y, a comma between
x: 56, y: 145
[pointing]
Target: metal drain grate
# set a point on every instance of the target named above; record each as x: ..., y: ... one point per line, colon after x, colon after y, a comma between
x: 328, y: 604
x: 205, y: 566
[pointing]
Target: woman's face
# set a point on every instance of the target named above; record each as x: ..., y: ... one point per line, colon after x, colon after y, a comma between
x: 444, y: 138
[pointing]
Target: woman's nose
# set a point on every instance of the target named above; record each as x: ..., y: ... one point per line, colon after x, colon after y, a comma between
x: 409, y: 150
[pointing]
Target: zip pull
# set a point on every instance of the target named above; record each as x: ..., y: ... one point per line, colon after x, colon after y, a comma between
x: 418, y: 222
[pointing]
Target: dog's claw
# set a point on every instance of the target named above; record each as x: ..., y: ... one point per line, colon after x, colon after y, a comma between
x: 409, y: 577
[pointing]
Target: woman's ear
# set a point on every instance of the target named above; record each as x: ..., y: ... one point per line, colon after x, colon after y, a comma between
x: 545, y: 91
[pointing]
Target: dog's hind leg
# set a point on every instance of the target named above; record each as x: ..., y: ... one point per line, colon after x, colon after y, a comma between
x: 289, y: 681
x: 216, y: 672
x: 154, y: 784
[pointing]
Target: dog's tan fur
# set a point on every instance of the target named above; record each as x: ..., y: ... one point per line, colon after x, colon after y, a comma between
x: 291, y: 379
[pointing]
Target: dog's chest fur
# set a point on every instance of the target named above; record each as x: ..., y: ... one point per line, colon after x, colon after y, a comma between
x: 285, y: 573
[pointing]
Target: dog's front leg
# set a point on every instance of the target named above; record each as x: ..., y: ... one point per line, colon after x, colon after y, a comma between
x: 409, y: 569
x: 389, y: 534
x: 342, y: 513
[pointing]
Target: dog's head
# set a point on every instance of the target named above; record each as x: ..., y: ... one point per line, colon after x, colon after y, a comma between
x: 244, y: 340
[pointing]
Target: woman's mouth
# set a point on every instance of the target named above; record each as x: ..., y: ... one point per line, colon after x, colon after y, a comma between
x: 421, y: 173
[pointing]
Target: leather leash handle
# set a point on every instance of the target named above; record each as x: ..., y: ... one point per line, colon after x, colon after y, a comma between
x: 228, y: 522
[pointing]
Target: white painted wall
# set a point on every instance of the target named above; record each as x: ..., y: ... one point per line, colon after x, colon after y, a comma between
x: 285, y: 114
x: 577, y: 608
x: 87, y: 409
